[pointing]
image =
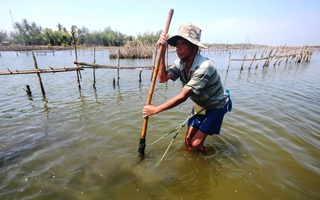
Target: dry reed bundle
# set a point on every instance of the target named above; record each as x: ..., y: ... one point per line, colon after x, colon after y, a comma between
x: 132, y: 49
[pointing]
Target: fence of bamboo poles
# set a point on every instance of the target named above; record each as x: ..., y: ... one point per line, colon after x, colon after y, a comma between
x: 78, y: 67
x: 277, y: 55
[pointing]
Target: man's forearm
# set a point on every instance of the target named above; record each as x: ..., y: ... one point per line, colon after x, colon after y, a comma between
x: 162, y: 73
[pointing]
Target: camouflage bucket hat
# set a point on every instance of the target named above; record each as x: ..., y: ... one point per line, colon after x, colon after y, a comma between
x: 190, y: 32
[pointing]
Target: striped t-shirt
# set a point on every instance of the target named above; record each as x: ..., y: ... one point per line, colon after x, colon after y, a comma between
x: 203, y: 80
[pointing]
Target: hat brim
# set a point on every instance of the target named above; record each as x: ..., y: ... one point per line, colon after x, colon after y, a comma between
x: 173, y: 41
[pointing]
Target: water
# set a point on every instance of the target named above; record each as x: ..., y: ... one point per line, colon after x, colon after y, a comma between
x: 83, y: 144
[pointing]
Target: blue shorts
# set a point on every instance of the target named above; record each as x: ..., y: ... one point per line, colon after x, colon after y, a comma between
x: 211, y: 122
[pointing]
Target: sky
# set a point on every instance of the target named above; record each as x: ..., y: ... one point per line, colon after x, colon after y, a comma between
x: 263, y: 22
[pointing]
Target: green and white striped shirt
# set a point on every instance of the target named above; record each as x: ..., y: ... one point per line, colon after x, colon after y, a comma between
x: 203, y: 80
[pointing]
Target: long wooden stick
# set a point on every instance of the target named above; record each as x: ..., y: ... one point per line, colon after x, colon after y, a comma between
x: 142, y: 143
x: 90, y: 65
x: 36, y: 71
x: 38, y: 75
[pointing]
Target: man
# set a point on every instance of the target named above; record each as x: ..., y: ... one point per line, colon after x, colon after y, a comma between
x: 201, y: 83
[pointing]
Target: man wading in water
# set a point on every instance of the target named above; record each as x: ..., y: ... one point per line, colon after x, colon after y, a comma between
x: 201, y: 82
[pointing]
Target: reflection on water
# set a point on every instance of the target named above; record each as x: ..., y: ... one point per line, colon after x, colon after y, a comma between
x: 82, y: 144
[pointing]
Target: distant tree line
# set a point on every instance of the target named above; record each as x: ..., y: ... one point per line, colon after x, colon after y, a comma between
x: 26, y: 33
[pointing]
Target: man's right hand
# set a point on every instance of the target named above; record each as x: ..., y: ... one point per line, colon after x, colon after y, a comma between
x: 163, y: 40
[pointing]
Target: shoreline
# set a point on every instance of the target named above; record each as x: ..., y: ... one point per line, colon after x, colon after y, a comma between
x: 213, y: 46
x: 47, y: 48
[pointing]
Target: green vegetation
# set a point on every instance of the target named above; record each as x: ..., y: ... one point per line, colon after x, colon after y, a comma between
x: 26, y: 33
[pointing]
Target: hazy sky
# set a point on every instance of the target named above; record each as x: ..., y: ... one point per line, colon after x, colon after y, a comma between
x: 269, y: 22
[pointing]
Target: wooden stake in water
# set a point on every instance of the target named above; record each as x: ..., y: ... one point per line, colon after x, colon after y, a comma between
x: 73, y: 33
x: 118, y: 65
x: 28, y: 90
x: 38, y: 75
x: 94, y: 69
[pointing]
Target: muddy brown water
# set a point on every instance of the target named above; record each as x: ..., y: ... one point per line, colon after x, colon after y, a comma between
x: 83, y: 144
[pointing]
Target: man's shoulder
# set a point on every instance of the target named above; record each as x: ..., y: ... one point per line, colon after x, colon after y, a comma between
x: 201, y: 60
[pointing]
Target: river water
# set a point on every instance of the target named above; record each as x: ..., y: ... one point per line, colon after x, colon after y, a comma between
x: 82, y: 144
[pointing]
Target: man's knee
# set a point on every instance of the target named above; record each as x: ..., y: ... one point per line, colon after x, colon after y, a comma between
x: 198, y: 140
x: 196, y: 143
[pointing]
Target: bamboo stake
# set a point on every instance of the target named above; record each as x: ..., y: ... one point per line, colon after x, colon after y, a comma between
x: 229, y: 61
x: 38, y: 75
x: 309, y: 56
x: 142, y: 143
x: 28, y: 90
x: 140, y: 76
x: 94, y: 69
x: 252, y: 60
x: 288, y: 56
x: 267, y: 60
x: 298, y: 60
x: 293, y: 56
x: 118, y: 65
x: 285, y: 56
x: 280, y: 57
x: 73, y: 32
x: 244, y: 59
x: 259, y: 61
x: 271, y: 57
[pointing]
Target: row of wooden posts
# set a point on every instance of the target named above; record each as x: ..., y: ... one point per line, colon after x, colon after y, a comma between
x: 280, y: 54
x: 78, y: 67
x: 289, y: 55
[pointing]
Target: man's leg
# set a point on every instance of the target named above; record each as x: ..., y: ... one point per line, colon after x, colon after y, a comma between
x: 198, y: 141
x: 191, y: 131
x: 194, y: 139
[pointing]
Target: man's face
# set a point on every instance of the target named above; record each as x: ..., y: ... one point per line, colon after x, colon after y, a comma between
x: 184, y: 48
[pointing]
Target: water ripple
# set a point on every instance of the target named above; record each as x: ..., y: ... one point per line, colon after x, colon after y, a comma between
x: 82, y: 144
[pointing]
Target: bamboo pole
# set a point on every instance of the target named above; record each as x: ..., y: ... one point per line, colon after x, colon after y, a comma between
x: 244, y: 59
x: 36, y: 71
x: 253, y: 59
x: 90, y: 65
x: 259, y: 60
x: 298, y: 59
x: 279, y: 57
x: 309, y: 56
x: 118, y: 66
x: 285, y: 56
x: 288, y: 56
x: 140, y: 76
x: 248, y: 59
x: 271, y: 57
x: 142, y: 142
x: 94, y: 69
x: 28, y: 90
x: 268, y: 58
x: 293, y: 55
x: 73, y: 32
x: 229, y: 61
x: 38, y: 75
